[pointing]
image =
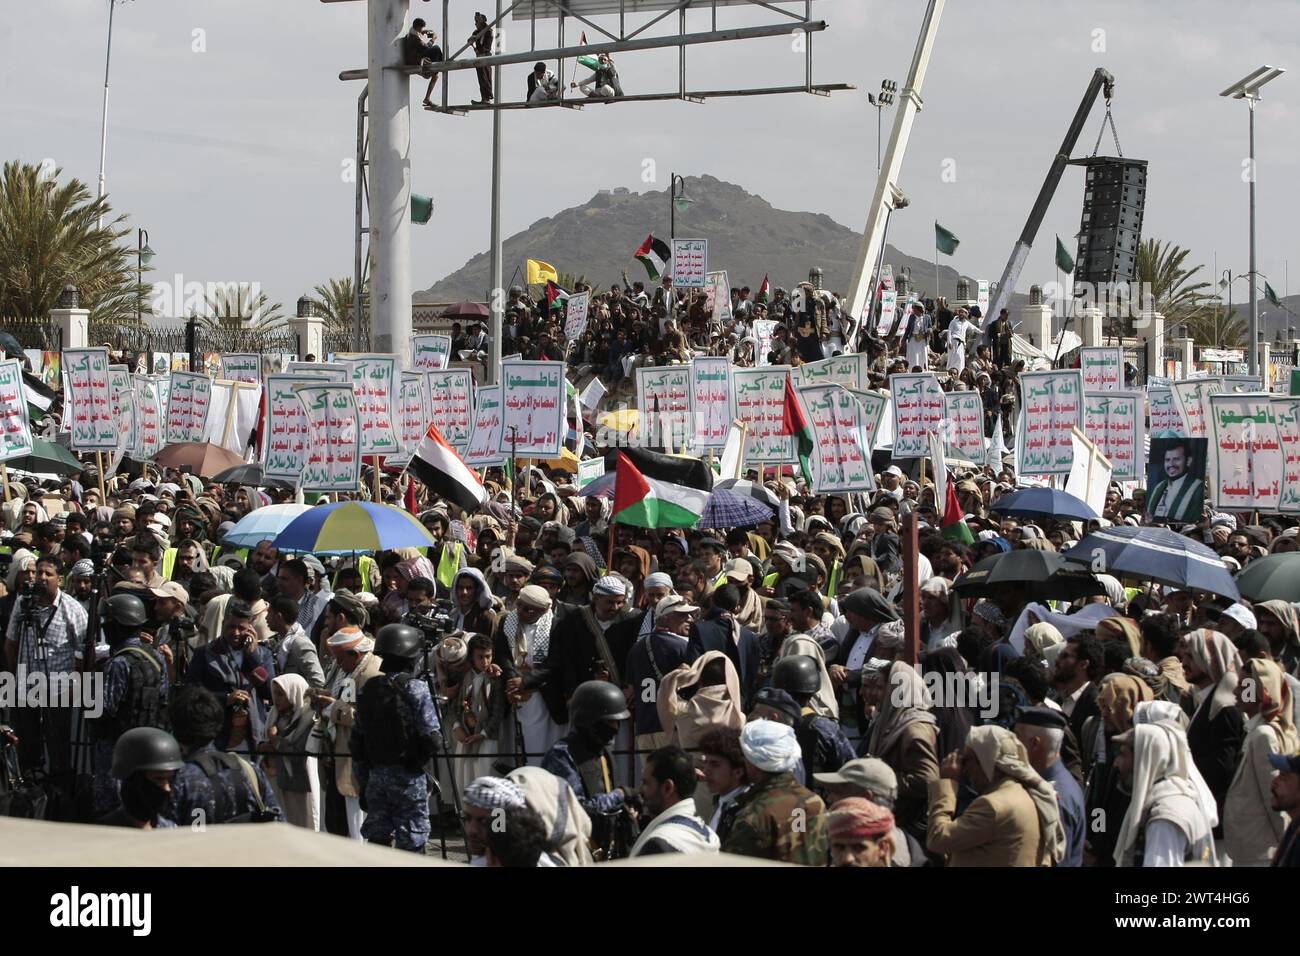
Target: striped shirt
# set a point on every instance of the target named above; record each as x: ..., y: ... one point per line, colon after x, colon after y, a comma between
x: 310, y: 607
x: 56, y: 639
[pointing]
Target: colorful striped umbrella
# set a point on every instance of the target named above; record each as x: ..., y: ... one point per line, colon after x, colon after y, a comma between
x: 346, y: 527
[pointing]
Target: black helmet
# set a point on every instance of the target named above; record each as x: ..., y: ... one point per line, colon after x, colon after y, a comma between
x: 596, y: 701
x: 126, y: 610
x: 145, y: 748
x: 797, y: 674
x: 398, y: 640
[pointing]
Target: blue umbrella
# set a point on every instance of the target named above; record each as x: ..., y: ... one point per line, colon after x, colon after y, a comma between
x: 351, y: 526
x: 1155, y: 554
x: 262, y: 524
x: 1044, y: 503
x: 726, y: 509
x: 602, y: 487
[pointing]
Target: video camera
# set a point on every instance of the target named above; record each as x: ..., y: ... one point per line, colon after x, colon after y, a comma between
x: 434, y: 625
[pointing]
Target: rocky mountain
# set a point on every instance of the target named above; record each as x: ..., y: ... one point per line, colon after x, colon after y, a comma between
x: 747, y: 236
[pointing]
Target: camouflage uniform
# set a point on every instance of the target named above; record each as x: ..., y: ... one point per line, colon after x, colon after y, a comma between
x: 397, y: 798
x: 767, y: 826
x: 117, y: 693
x: 193, y: 798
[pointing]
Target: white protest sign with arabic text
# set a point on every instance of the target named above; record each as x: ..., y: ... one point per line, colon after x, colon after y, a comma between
x: 447, y: 398
x: 485, y: 439
x: 841, y: 457
x: 690, y: 263
x: 1246, y: 454
x: 711, y: 392
x: 333, y: 437
x: 15, y: 429
x: 1051, y: 407
x: 376, y: 381
x: 919, y: 407
x: 758, y: 401
x: 1115, y: 422
x: 535, y: 401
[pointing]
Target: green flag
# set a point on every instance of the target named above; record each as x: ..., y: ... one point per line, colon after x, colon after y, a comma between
x: 1063, y: 260
x: 1271, y: 296
x: 944, y: 240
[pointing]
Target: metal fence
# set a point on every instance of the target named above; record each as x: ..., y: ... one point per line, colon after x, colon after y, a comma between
x: 34, y: 333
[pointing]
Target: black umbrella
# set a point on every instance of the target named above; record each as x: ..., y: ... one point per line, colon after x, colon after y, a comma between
x: 1050, y: 575
x: 247, y: 475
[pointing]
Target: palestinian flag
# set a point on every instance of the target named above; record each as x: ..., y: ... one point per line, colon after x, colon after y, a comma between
x: 590, y: 62
x: 437, y: 465
x: 650, y: 503
x: 556, y: 296
x: 954, y: 521
x: 655, y: 255
x: 763, y: 291
x: 796, y: 423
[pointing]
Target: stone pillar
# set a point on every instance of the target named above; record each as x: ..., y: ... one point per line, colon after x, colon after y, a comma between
x: 310, y: 330
x: 1151, y: 331
x: 1036, y: 320
x: 1188, y: 349
x: 1089, y: 323
x: 71, y: 320
x: 1265, y: 366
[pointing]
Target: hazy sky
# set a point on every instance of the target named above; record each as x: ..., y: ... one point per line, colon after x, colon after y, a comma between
x: 230, y: 145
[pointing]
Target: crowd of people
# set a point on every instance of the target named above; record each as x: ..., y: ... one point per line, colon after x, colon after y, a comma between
x: 615, y: 691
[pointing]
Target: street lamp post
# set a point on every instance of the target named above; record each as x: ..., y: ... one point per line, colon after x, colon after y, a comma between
x: 888, y: 90
x: 103, y: 123
x: 678, y: 202
x: 1247, y: 88
x: 143, y: 256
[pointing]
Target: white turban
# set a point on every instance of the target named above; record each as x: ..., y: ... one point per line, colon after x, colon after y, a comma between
x: 770, y: 746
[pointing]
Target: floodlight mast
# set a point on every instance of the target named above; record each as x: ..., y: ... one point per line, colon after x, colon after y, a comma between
x: 1247, y: 88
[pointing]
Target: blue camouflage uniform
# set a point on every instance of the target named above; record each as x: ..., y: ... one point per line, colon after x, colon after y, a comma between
x: 193, y: 799
x: 823, y: 745
x: 559, y: 761
x: 397, y: 798
x: 117, y: 684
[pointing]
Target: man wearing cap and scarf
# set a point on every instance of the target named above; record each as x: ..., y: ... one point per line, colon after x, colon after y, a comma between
x: 652, y: 658
x: 862, y: 834
x: 521, y: 645
x: 510, y: 573
x: 1042, y: 731
x: 1015, y: 820
x: 869, y: 778
x: 776, y: 818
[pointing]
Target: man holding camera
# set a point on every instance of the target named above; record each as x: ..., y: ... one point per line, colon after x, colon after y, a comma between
x: 418, y: 45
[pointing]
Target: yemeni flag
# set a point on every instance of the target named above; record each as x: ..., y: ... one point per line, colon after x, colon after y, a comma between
x: 654, y: 254
x: 762, y: 292
x: 437, y: 465
x: 556, y: 296
x: 795, y: 423
x: 945, y: 240
x: 650, y: 503
x: 954, y: 519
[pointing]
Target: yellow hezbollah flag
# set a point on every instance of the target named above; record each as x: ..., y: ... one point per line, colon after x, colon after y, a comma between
x: 539, y: 272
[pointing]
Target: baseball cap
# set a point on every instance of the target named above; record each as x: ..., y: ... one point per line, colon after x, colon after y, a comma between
x: 171, y: 589
x: 739, y: 569
x: 674, y: 604
x: 870, y: 773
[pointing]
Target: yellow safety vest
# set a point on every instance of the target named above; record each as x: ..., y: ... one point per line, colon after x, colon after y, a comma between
x: 771, y: 579
x: 168, y: 563
x: 449, y: 563
x: 833, y: 587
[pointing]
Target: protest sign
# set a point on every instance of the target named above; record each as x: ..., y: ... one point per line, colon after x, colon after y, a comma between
x: 429, y: 352
x: 1051, y: 405
x: 325, y: 371
x: 1103, y: 368
x: 718, y: 297
x: 234, y: 415
x: 447, y: 396
x: 690, y: 263
x: 1115, y: 422
x: 918, y: 409
x: 413, y: 416
x: 982, y: 297
x: 333, y: 461
x: 119, y: 377
x: 149, y: 406
x: 764, y: 330
x: 592, y: 394
x: 1090, y: 472
x: 285, y: 427
x: 1242, y: 383
x: 1165, y: 420
x: 575, y: 316
x: 188, y: 402
x: 589, y: 471
x: 711, y: 394
x: 376, y: 381
x: 888, y: 312
x: 1246, y: 453
x: 1191, y: 397
x: 241, y: 367
x: 841, y: 458
x: 848, y: 370
x: 535, y: 409
x: 485, y: 439
x: 964, y: 421
x: 15, y: 429
x: 663, y: 396
x: 758, y: 402
x: 124, y: 413
x: 91, y: 399
x: 1286, y: 410
x: 877, y: 418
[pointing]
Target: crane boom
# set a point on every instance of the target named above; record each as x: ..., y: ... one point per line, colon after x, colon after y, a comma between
x: 1101, y: 82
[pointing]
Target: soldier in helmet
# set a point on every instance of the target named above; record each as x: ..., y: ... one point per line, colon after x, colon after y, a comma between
x: 582, y: 758
x: 135, y: 692
x: 821, y: 740
x: 395, y: 734
x: 145, y: 761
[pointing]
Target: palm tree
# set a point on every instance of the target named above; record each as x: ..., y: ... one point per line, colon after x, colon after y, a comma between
x: 334, y: 303
x: 1167, y: 284
x: 50, y: 237
x: 242, y: 305
x: 1217, y: 328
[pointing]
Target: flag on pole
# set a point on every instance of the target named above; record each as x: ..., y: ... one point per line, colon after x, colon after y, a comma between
x: 945, y: 241
x: 954, y: 519
x: 590, y: 62
x: 539, y: 272
x: 795, y: 423
x: 1271, y: 296
x: 654, y: 254
x: 1063, y: 260
x: 763, y: 291
x: 437, y: 465
x: 651, y: 503
x: 556, y: 296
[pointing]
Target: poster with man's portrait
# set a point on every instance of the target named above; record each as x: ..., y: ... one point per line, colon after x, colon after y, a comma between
x: 1176, y: 480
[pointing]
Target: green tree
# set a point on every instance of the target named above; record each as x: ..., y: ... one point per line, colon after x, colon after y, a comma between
x: 334, y: 302
x: 242, y: 304
x: 1214, y: 326
x: 51, y: 237
x: 1170, y: 283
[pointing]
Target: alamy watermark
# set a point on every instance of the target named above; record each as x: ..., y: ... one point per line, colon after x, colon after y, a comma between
x: 38, y: 689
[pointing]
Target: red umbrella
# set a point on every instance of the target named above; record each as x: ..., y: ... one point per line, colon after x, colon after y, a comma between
x: 202, y: 458
x: 466, y: 310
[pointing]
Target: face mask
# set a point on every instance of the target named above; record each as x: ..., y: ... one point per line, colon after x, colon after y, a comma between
x: 142, y: 798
